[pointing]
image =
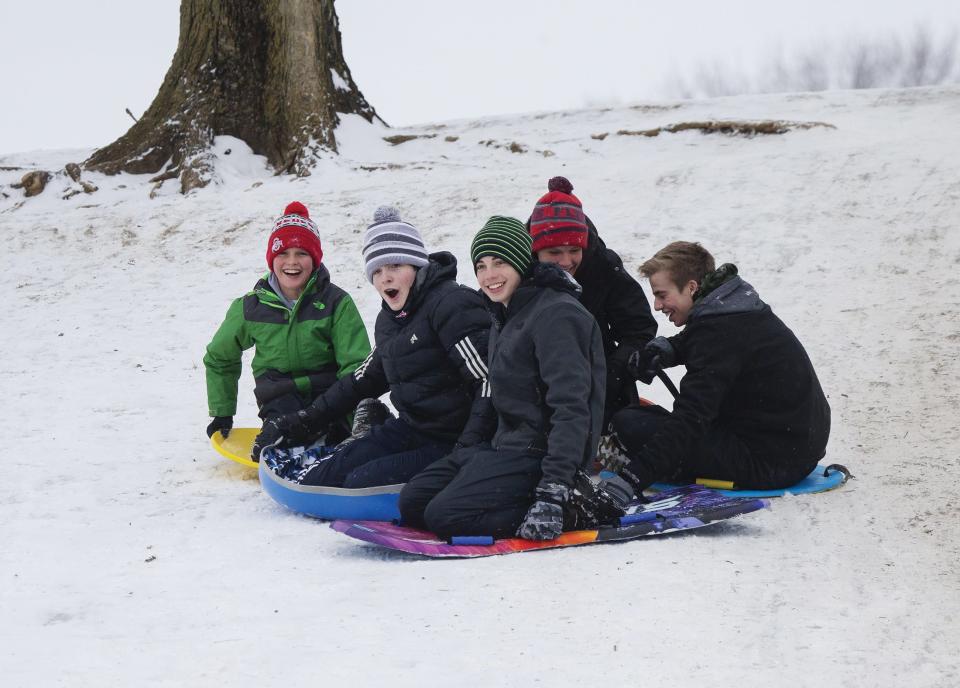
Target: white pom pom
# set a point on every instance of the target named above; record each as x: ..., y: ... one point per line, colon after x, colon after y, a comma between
x: 386, y: 213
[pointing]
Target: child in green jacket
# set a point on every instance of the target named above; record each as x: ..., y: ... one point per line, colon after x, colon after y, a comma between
x: 306, y: 330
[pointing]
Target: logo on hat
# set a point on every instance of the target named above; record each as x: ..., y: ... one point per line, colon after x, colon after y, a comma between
x: 277, y: 245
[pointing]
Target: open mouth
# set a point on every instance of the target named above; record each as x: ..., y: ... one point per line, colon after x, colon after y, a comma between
x: 495, y: 287
x: 391, y: 293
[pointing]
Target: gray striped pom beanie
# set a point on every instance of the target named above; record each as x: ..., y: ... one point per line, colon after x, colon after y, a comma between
x: 505, y: 238
x: 389, y: 240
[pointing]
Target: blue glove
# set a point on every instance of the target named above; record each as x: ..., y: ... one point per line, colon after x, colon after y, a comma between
x: 544, y: 519
x: 656, y: 355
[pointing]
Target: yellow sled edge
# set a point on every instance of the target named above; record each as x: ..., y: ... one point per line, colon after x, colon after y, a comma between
x: 237, y: 445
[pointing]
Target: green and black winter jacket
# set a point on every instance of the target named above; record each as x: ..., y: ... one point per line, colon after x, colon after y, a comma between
x: 300, y: 351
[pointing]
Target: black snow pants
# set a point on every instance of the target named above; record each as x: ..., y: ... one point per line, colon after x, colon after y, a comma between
x: 473, y: 491
x: 391, y: 453
x: 719, y: 455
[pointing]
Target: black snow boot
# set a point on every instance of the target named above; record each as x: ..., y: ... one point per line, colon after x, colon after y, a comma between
x: 590, y: 506
x: 369, y: 412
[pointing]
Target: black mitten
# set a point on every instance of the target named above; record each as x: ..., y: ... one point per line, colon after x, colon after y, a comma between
x: 544, y: 519
x: 221, y: 423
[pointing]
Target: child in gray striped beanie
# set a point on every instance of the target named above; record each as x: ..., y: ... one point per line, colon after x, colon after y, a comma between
x: 391, y: 241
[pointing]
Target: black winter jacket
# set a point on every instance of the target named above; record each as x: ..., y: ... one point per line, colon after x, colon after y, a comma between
x: 618, y: 303
x: 747, y: 372
x: 431, y: 356
x: 547, y: 374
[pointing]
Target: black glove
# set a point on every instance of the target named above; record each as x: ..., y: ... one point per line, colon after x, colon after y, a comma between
x: 544, y: 519
x: 221, y: 423
x: 287, y: 430
x: 656, y: 355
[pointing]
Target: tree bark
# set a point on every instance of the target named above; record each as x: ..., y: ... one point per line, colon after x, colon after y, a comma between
x: 269, y: 72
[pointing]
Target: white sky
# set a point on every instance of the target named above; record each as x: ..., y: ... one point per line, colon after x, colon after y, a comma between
x: 69, y: 69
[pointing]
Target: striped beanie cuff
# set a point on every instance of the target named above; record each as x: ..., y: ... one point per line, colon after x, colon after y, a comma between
x: 389, y: 241
x: 558, y: 218
x: 505, y: 238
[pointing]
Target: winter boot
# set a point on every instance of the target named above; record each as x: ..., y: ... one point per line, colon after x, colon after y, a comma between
x: 619, y: 490
x: 589, y: 506
x: 369, y: 412
x: 611, y: 455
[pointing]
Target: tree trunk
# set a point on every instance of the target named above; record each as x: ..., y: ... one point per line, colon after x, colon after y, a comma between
x: 270, y: 72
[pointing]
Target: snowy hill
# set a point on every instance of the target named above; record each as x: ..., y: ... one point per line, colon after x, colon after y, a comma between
x: 132, y: 555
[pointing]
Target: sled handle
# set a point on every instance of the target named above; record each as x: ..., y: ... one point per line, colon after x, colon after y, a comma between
x: 471, y: 540
x: 838, y: 467
x: 668, y: 383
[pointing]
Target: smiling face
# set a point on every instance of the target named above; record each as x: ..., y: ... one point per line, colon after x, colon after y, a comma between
x: 394, y: 282
x: 497, y: 278
x: 293, y: 268
x: 567, y: 257
x: 675, y: 302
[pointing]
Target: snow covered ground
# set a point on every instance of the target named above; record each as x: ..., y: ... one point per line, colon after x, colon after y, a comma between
x: 131, y: 554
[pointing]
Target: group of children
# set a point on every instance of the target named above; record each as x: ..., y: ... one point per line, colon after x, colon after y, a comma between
x: 503, y: 394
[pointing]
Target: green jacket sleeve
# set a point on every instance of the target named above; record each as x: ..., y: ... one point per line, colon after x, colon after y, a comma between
x: 349, y: 335
x: 223, y: 361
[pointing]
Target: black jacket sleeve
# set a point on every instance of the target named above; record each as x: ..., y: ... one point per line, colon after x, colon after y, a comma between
x: 368, y: 380
x: 563, y: 344
x: 463, y: 326
x: 713, y: 355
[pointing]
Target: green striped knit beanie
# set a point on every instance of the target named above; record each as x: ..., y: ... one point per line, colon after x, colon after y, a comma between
x: 505, y: 238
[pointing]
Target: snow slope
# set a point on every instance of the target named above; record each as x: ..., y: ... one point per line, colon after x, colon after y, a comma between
x: 132, y: 555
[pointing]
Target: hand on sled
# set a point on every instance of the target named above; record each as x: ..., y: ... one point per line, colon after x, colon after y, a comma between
x: 279, y: 431
x: 221, y: 423
x: 544, y: 519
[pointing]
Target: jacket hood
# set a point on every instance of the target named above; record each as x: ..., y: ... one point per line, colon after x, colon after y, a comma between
x: 441, y: 267
x: 594, y: 258
x: 552, y: 276
x: 734, y: 295
x: 542, y: 275
x: 595, y: 244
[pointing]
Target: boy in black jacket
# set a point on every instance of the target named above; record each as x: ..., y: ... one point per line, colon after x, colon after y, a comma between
x: 431, y: 352
x: 750, y: 409
x: 562, y: 234
x: 547, y: 374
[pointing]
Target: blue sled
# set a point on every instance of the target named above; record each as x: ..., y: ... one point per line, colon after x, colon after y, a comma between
x: 820, y: 479
x: 364, y: 504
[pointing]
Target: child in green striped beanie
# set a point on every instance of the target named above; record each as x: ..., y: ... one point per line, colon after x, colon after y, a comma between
x: 546, y: 372
x: 501, y: 253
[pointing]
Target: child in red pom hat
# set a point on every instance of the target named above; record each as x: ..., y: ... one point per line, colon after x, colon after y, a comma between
x: 306, y: 331
x: 563, y: 234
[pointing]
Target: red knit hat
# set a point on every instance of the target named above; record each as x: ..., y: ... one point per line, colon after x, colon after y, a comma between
x: 295, y: 229
x: 558, y: 218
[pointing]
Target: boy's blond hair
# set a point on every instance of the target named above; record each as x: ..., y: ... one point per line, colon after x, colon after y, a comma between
x: 684, y: 260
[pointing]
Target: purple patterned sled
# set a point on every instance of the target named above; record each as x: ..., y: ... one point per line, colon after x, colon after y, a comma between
x: 682, y: 508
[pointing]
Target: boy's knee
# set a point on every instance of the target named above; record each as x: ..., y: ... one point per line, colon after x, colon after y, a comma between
x: 636, y: 424
x: 411, y: 505
x: 439, y: 518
